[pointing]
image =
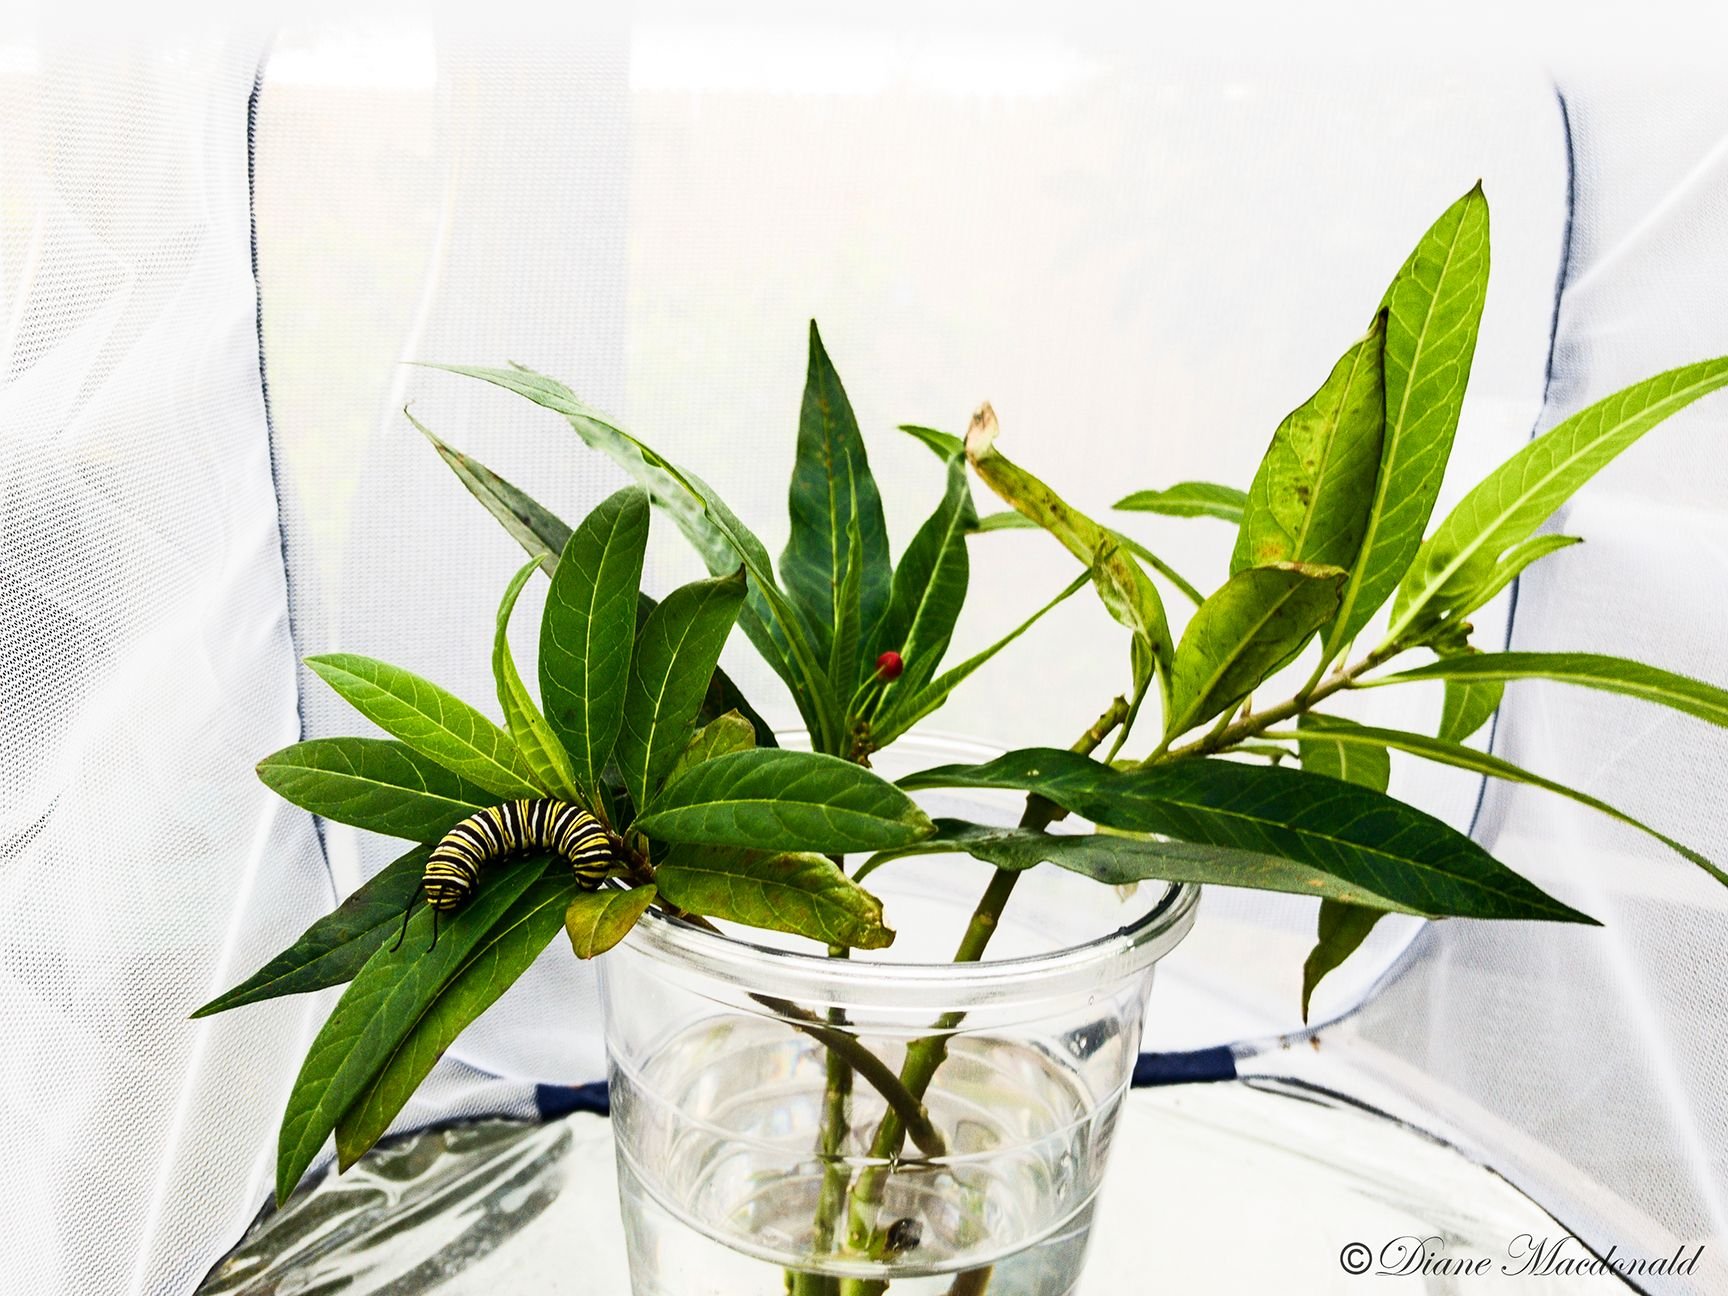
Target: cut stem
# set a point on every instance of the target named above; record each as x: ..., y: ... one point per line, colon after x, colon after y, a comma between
x: 925, y: 1056
x: 831, y: 1139
x: 871, y: 1069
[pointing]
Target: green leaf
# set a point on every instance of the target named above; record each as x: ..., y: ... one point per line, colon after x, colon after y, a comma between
x: 492, y: 966
x: 1586, y: 670
x: 1506, y: 571
x: 543, y: 535
x: 379, y: 1010
x: 532, y: 526
x: 1434, y: 308
x: 726, y: 733
x: 712, y: 529
x: 1321, y: 752
x: 1343, y: 928
x: 1015, y: 522
x: 1344, y: 921
x: 587, y: 630
x: 723, y: 699
x: 801, y: 893
x: 1346, y: 733
x: 1256, y: 622
x: 783, y: 800
x: 1008, y: 520
x: 533, y: 736
x: 429, y: 720
x: 929, y: 586
x: 1312, y: 494
x: 1352, y: 833
x: 1507, y: 506
x: 598, y: 920
x: 507, y: 951
x: 676, y: 650
x: 334, y: 948
x: 831, y: 486
x: 901, y: 709
x: 944, y: 445
x: 1118, y: 860
x: 1163, y: 568
x: 1467, y: 707
x: 1127, y: 591
x: 1189, y: 499
x: 375, y: 784
x: 848, y: 614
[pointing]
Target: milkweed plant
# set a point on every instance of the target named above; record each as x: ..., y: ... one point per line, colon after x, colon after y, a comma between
x: 641, y: 778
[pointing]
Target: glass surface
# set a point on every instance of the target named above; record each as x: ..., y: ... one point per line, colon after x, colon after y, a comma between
x: 1248, y: 1188
x: 743, y: 1169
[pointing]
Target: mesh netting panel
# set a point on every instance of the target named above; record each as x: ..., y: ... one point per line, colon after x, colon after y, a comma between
x: 145, y: 662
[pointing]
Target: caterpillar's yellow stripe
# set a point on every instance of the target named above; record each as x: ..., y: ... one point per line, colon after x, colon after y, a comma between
x: 570, y: 832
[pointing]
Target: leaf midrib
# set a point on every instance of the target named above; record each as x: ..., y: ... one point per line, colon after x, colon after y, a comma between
x: 1382, y: 482
x: 487, y: 947
x: 1268, y: 613
x: 658, y: 696
x: 368, y: 781
x: 1486, y: 763
x: 1333, y: 424
x: 477, y: 723
x: 944, y: 560
x: 1433, y: 586
x: 776, y: 804
x: 1379, y: 852
x: 1467, y: 668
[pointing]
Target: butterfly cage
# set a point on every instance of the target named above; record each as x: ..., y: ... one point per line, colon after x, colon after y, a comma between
x: 232, y: 256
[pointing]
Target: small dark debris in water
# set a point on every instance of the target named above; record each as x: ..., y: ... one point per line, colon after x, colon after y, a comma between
x: 904, y: 1235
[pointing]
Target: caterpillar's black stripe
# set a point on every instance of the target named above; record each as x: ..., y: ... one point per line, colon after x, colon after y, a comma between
x: 568, y: 831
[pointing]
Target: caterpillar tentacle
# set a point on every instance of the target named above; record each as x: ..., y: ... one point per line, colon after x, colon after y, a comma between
x: 568, y: 831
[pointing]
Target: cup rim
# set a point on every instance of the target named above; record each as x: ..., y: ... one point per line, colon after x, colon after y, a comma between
x: 864, y: 982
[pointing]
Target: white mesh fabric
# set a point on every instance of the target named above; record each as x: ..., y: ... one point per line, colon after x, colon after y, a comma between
x: 399, y: 217
x: 145, y: 661
x: 1587, y: 1064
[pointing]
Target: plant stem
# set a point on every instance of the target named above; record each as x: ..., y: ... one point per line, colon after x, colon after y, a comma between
x: 1252, y: 726
x: 831, y: 1140
x: 873, y: 1070
x: 925, y: 1056
x: 876, y: 1073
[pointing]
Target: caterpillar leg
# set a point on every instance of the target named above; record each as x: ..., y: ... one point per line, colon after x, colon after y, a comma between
x: 406, y: 915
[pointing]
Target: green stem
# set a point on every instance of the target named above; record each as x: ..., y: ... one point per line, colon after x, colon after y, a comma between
x: 1252, y: 726
x: 831, y: 1139
x: 925, y: 1056
x: 906, y: 1106
x: 871, y: 1069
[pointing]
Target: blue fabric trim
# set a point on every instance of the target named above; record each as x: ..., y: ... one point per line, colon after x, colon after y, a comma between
x: 1561, y: 275
x: 554, y: 1101
x: 288, y: 582
x: 1197, y: 1066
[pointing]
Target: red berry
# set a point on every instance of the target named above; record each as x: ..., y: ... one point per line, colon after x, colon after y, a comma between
x: 889, y: 665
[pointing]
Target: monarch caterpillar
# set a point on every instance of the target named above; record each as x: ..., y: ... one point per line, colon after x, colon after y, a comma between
x: 568, y: 831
